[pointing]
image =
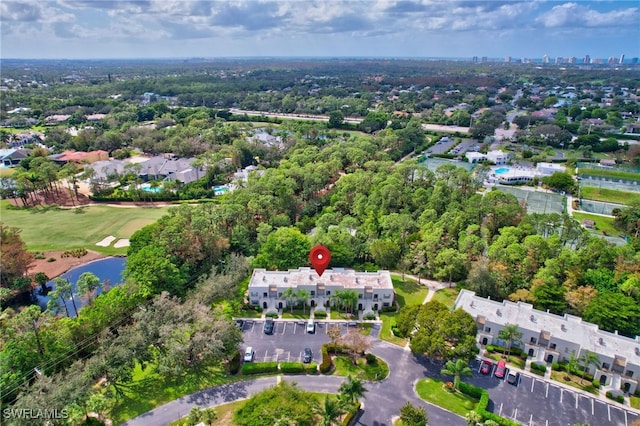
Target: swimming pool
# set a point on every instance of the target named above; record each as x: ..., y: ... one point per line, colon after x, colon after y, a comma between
x: 501, y: 170
x: 147, y: 187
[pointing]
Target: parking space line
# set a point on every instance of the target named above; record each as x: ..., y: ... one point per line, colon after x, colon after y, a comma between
x: 626, y: 421
x: 609, y: 411
x: 531, y: 420
x: 500, y: 412
x: 546, y: 394
x: 533, y: 382
x: 265, y: 355
x: 592, y: 407
x: 577, y: 398
x: 515, y: 415
x: 561, y: 395
x: 284, y: 328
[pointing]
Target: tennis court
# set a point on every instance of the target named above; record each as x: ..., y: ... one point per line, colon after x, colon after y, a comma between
x: 591, y: 206
x: 537, y: 202
x: 620, y: 185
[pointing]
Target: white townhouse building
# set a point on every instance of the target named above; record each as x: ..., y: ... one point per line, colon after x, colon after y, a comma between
x: 375, y: 289
x: 547, y: 337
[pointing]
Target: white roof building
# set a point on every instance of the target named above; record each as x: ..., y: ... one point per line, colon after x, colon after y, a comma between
x: 266, y: 288
x: 547, y: 337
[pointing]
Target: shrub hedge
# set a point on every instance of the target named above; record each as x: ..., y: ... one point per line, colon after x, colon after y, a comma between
x: 539, y: 367
x: 320, y: 314
x: 326, y: 364
x: 259, y: 367
x: 351, y: 412
x: 288, y: 367
x: 619, y: 398
x: 271, y: 315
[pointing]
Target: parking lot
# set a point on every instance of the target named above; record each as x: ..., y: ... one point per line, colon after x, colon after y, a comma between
x: 289, y: 339
x: 535, y: 402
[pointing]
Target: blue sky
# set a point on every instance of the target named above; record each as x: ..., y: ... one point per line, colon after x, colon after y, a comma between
x: 77, y: 29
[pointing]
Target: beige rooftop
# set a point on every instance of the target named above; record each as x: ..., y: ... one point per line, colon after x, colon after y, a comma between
x: 347, y: 278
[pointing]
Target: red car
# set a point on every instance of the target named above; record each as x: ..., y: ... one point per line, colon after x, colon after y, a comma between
x: 500, y: 370
x: 485, y: 367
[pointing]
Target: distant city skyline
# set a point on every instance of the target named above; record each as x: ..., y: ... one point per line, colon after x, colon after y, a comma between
x: 101, y: 29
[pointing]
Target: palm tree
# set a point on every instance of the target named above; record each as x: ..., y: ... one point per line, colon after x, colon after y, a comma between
x: 572, y: 366
x: 473, y: 418
x: 456, y: 369
x: 588, y: 359
x: 303, y: 295
x: 289, y: 295
x: 329, y: 411
x: 412, y: 415
x: 511, y: 334
x: 347, y: 299
x: 352, y: 390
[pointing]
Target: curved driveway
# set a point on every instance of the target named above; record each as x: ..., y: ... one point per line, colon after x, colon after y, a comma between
x: 382, y: 402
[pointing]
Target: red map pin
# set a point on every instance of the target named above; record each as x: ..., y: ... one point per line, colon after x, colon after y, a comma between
x: 319, y: 256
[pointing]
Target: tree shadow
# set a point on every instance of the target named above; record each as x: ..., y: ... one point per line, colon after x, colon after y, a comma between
x: 80, y: 210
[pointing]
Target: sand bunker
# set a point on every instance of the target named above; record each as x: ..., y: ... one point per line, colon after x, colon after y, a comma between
x: 122, y: 242
x: 106, y: 241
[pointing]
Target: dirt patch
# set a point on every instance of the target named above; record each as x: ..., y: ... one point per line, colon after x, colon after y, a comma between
x: 61, y: 264
x: 62, y: 198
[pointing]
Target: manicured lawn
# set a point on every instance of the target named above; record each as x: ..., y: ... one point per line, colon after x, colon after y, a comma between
x: 365, y: 328
x: 51, y: 228
x: 511, y: 359
x: 408, y: 292
x: 297, y: 313
x: 432, y: 391
x: 446, y: 296
x: 635, y: 402
x: 561, y: 376
x: 604, y: 225
x: 341, y: 315
x: 608, y: 195
x: 149, y: 389
x: 6, y: 171
x: 610, y: 174
x: 364, y: 371
x: 388, y: 318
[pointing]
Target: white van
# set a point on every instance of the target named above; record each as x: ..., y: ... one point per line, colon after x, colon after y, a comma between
x: 311, y: 326
x: 248, y: 354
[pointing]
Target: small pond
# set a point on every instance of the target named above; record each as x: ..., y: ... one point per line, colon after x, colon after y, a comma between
x: 109, y: 271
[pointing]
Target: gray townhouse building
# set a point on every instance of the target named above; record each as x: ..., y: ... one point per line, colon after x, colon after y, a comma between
x: 548, y: 338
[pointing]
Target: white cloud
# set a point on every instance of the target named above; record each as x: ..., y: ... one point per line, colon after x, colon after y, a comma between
x: 579, y: 15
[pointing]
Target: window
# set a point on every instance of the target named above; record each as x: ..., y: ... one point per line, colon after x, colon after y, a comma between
x: 487, y: 329
x: 534, y: 340
x: 629, y: 373
x: 313, y: 293
x: 552, y: 346
x: 359, y: 296
x: 264, y: 294
x: 605, y: 366
x: 280, y: 294
x: 254, y: 293
x: 328, y: 293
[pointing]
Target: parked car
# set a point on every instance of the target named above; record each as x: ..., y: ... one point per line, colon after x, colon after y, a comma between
x: 269, y: 325
x: 513, y: 378
x: 485, y: 367
x: 500, y: 370
x: 308, y: 356
x: 248, y: 354
x: 311, y: 326
x: 239, y: 323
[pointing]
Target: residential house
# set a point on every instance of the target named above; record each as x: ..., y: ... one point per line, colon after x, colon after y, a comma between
x: 375, y: 289
x: 80, y: 157
x: 12, y: 156
x: 549, y: 338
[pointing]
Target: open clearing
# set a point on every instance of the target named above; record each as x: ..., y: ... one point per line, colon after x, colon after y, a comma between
x: 51, y: 228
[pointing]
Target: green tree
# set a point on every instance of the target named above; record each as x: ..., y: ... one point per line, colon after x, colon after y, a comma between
x: 449, y: 264
x: 87, y: 285
x: 614, y: 311
x: 456, y: 369
x: 41, y: 279
x: 510, y: 334
x: 352, y: 390
x: 412, y: 415
x: 274, y: 404
x: 572, y: 366
x: 289, y: 294
x: 329, y: 410
x: 286, y: 248
x: 303, y: 295
x: 560, y: 181
x: 336, y: 119
x: 14, y: 257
